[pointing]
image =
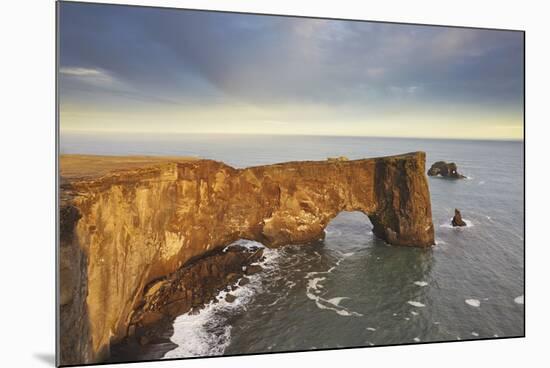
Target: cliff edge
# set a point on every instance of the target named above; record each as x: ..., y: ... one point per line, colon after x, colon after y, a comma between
x: 125, y: 222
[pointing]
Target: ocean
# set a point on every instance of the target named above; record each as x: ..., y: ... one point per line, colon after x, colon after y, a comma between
x: 352, y: 289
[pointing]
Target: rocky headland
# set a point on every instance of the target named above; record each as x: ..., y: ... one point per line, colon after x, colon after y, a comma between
x: 142, y: 238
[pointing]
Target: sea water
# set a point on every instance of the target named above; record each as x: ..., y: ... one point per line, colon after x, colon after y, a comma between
x: 353, y: 289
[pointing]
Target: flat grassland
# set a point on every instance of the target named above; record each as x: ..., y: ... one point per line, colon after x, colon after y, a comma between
x: 81, y: 166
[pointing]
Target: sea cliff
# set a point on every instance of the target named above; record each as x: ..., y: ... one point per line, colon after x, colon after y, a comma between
x: 125, y: 223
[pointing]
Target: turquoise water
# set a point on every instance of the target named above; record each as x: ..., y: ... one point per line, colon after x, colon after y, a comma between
x: 352, y: 289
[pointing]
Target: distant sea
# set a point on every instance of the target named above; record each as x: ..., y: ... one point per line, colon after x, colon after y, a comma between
x: 353, y: 289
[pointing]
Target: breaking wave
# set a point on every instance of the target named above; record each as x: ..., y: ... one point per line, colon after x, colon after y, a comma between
x: 207, y: 332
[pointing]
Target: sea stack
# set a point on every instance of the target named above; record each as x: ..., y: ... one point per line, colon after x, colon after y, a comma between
x: 457, y: 219
x: 447, y: 170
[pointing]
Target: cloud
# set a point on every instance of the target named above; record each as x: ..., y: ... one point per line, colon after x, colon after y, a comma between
x: 88, y: 75
x: 93, y: 85
x: 80, y: 72
x: 137, y: 57
x: 272, y: 60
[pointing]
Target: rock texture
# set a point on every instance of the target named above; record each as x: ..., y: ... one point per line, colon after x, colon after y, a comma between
x: 121, y: 230
x: 187, y: 290
x: 457, y: 219
x: 193, y: 286
x: 447, y: 170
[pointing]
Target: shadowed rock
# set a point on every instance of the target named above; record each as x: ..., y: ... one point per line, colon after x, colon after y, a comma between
x: 124, y: 229
x: 447, y: 170
x: 457, y: 219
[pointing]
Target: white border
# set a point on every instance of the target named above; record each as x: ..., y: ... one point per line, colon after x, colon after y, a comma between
x: 27, y: 181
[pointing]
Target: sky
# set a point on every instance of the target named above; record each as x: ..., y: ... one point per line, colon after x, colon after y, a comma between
x: 143, y: 70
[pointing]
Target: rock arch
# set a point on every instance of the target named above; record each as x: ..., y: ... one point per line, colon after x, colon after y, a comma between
x: 128, y: 227
x: 391, y: 191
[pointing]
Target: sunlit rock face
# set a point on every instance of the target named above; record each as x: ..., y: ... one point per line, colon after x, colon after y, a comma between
x: 122, y: 229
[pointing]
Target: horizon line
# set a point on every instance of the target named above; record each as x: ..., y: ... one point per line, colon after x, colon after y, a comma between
x: 117, y: 132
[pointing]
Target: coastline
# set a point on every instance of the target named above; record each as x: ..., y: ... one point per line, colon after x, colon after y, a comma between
x: 148, y: 221
x: 205, y: 280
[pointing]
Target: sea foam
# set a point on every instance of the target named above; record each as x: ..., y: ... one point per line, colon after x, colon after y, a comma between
x: 420, y: 283
x: 313, y: 289
x: 207, y: 333
x: 416, y: 304
x: 519, y: 299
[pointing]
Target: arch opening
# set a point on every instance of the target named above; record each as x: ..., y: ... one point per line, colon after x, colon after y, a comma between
x: 349, y: 226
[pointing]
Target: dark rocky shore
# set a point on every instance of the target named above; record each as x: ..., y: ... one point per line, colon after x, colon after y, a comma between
x: 188, y: 289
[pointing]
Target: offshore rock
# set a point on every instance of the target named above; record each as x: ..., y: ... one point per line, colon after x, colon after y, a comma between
x: 457, y: 219
x: 126, y: 224
x: 447, y: 170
